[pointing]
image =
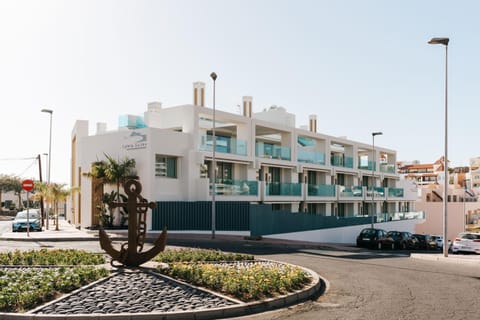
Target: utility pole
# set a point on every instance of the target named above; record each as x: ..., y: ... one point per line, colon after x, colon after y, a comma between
x: 42, y: 210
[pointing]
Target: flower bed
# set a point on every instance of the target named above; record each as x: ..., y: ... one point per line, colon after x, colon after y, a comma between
x: 244, y: 279
x: 49, y: 274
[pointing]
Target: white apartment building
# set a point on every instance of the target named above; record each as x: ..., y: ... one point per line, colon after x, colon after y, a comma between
x: 260, y: 158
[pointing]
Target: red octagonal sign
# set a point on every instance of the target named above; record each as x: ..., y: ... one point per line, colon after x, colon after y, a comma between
x: 27, y: 185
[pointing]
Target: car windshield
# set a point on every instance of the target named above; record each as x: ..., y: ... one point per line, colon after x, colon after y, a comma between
x: 23, y: 215
x: 470, y: 236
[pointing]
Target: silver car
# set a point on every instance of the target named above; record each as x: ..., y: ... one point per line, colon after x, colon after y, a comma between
x: 467, y: 242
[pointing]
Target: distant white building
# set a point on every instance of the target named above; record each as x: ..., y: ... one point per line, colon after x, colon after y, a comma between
x: 260, y: 158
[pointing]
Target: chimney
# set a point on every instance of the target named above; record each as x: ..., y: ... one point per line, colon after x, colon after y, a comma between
x: 312, y: 123
x: 154, y: 106
x: 199, y: 94
x: 247, y: 106
x: 101, y: 127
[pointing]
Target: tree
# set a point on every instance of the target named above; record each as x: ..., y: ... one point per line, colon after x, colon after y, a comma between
x: 113, y: 172
x: 53, y: 193
x: 7, y: 184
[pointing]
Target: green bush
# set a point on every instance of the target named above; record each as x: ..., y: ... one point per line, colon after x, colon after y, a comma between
x: 194, y: 255
x: 44, y: 257
x: 248, y: 280
x: 23, y: 289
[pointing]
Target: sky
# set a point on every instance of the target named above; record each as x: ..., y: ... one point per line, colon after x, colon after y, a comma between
x: 360, y: 66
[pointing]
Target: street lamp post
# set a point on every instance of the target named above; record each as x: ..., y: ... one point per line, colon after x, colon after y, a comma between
x: 444, y: 41
x: 213, y: 75
x: 49, y: 152
x: 374, y: 163
x: 464, y: 212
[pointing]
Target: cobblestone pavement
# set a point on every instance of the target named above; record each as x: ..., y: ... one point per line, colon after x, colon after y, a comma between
x: 135, y: 292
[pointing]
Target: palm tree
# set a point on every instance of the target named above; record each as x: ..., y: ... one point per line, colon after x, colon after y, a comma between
x: 53, y: 193
x: 113, y: 172
x: 118, y: 171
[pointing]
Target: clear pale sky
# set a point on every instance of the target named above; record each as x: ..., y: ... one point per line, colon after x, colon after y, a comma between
x: 360, y: 66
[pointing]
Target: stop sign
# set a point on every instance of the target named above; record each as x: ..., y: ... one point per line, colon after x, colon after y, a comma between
x: 27, y: 185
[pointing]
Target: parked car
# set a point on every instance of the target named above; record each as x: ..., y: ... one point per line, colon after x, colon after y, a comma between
x: 426, y: 241
x: 466, y: 242
x: 19, y: 223
x: 371, y: 238
x: 439, y: 242
x: 399, y: 240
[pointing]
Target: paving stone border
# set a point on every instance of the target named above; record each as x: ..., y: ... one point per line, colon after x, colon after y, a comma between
x: 141, y: 294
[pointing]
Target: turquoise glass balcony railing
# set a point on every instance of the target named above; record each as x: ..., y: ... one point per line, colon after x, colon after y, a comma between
x: 311, y: 156
x: 224, y: 145
x: 354, y: 191
x: 378, y: 191
x: 387, y: 168
x: 368, y: 166
x: 395, y: 192
x: 236, y: 188
x: 267, y: 150
x: 322, y: 190
x: 283, y: 189
x: 341, y: 161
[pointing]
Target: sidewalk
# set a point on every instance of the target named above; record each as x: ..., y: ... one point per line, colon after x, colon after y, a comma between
x: 66, y: 232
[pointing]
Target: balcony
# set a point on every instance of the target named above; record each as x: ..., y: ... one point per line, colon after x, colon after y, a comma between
x: 223, y: 145
x: 350, y: 192
x: 311, y: 156
x: 395, y: 193
x: 272, y: 151
x: 236, y: 188
x: 366, y: 166
x: 341, y: 161
x: 387, y: 168
x: 378, y: 192
x: 283, y: 189
x: 323, y: 190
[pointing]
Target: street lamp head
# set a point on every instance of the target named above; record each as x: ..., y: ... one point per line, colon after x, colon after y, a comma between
x: 47, y: 111
x: 377, y: 133
x: 443, y: 41
x: 213, y: 75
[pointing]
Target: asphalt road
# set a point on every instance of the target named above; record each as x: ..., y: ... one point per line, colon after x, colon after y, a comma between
x: 363, y: 284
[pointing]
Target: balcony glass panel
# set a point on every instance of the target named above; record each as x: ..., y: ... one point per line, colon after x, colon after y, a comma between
x: 223, y: 145
x: 395, y: 192
x: 283, y: 189
x: 236, y: 188
x: 323, y: 190
x: 354, y: 191
x: 311, y: 156
x: 379, y: 191
x: 366, y: 166
x: 268, y: 150
x: 341, y: 161
x: 388, y: 168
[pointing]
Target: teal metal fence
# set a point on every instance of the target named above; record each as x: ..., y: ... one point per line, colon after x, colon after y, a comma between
x: 197, y: 215
x: 259, y: 219
x: 264, y: 221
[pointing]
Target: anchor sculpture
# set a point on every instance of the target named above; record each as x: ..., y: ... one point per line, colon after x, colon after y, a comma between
x: 130, y: 253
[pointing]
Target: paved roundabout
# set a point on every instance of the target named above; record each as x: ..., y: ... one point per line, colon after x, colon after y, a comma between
x: 143, y: 293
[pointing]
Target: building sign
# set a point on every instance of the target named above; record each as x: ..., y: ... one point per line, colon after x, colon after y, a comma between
x: 135, y: 140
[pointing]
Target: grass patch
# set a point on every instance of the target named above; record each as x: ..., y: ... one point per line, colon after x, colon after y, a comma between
x: 22, y: 289
x: 246, y: 281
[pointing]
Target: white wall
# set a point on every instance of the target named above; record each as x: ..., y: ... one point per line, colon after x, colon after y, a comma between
x: 346, y: 235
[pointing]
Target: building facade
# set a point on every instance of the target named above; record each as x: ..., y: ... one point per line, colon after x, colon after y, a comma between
x: 259, y: 158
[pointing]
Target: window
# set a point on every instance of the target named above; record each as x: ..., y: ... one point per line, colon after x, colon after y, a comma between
x: 165, y: 166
